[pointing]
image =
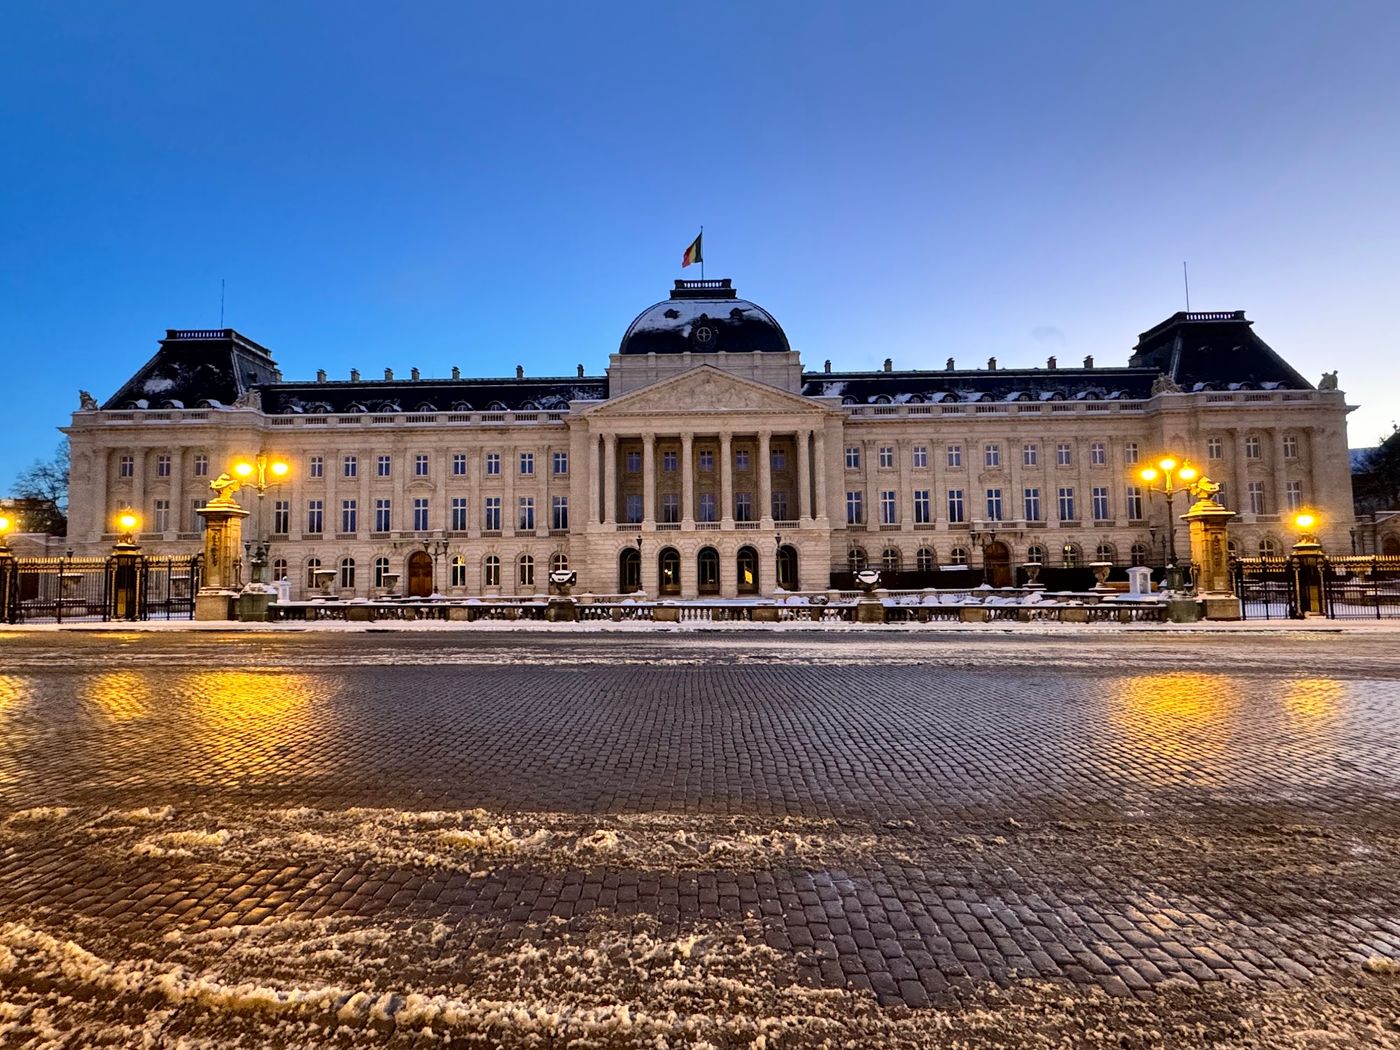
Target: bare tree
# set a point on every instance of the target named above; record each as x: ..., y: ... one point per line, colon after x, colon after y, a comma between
x: 44, y: 487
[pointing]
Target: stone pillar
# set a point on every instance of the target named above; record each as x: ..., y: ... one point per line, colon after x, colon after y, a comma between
x: 687, y: 484
x: 223, y: 546
x: 726, y: 480
x: 177, y: 490
x: 595, y: 480
x: 1280, y: 494
x: 610, y: 479
x: 822, y: 509
x: 804, y: 477
x: 1208, y: 523
x: 648, y: 479
x: 765, y: 478
x: 510, y: 510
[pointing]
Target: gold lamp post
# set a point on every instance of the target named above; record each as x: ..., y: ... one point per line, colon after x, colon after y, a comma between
x: 261, y: 472
x: 1166, y: 478
x: 8, y: 583
x: 1307, y: 556
x: 5, y: 526
x: 127, y: 524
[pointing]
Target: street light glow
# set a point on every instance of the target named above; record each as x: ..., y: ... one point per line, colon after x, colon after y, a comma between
x: 1305, y: 520
x: 1148, y: 474
x: 243, y: 469
x: 1167, y: 464
x: 279, y: 468
x: 1186, y: 473
x: 128, y: 521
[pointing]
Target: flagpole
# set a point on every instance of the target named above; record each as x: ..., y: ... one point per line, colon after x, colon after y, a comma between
x: 702, y: 253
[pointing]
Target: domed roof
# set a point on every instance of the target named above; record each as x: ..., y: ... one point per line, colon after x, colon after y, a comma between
x: 704, y: 317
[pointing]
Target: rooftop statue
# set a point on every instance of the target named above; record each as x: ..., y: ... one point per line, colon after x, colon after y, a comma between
x: 1328, y: 381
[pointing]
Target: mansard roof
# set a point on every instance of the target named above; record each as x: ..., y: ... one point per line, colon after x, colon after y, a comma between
x: 434, y: 395
x: 1000, y: 384
x: 213, y: 366
x: 1219, y: 349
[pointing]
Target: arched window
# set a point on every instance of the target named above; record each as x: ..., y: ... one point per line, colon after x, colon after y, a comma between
x: 312, y: 564
x: 629, y: 570
x: 855, y: 559
x: 1141, y: 552
x: 889, y: 559
x: 707, y: 570
x: 1105, y: 552
x: 459, y: 571
x: 668, y: 567
x: 958, y: 556
x: 1268, y: 547
x: 1035, y: 554
x: 526, y: 571
x: 559, y: 562
x: 925, y: 560
x: 746, y: 563
x: 491, y: 571
x: 787, y: 567
x: 381, y: 566
x: 279, y: 568
x: 347, y: 573
x: 1070, y: 553
x: 1232, y: 549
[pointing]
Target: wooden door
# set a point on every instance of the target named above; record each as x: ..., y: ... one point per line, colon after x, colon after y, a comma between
x: 420, y: 574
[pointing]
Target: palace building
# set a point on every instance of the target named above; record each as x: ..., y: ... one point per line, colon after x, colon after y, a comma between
x: 707, y: 461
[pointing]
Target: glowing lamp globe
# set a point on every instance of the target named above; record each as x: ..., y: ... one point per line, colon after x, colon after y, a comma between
x: 243, y: 470
x: 279, y: 468
x: 128, y: 521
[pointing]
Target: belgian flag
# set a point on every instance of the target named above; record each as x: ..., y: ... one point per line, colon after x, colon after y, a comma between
x: 692, y: 254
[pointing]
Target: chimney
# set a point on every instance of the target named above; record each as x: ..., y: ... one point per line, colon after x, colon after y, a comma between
x: 889, y: 365
x: 414, y: 374
x: 354, y: 375
x: 992, y: 363
x: 519, y: 371
x: 388, y: 374
x: 949, y: 365
x: 1089, y: 361
x: 826, y: 365
x: 320, y: 375
x: 580, y: 371
x: 456, y: 372
x: 1051, y: 363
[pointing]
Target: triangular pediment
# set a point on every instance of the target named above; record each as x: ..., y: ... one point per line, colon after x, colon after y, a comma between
x: 705, y: 389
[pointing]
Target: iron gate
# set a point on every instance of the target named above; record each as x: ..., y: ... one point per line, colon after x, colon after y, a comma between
x: 116, y: 587
x: 1267, y: 588
x: 1362, y: 588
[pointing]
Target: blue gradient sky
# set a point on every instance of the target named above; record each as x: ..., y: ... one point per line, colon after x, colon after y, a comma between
x: 440, y: 184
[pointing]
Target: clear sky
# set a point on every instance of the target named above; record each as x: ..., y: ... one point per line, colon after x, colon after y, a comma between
x: 484, y: 185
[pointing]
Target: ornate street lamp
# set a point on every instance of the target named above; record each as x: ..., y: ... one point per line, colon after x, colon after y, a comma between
x: 5, y: 526
x: 261, y: 472
x: 1307, y: 556
x: 1166, y: 480
x: 127, y: 524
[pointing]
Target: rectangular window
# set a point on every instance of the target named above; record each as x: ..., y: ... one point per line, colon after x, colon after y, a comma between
x: 527, y: 464
x: 491, y: 514
x: 349, y: 517
x: 1256, y: 497
x: 1135, y: 503
x: 1130, y: 452
x: 420, y: 465
x: 383, y: 466
x: 349, y: 466
x: 889, y: 513
x: 383, y: 515
x: 994, y: 505
x: 493, y: 464
x: 1099, y: 497
x: 459, y: 572
x: 1064, y: 454
x: 491, y: 571
x: 1290, y: 447
x: 1251, y: 448
x: 855, y: 511
x: 1215, y: 448
x: 780, y: 506
x: 707, y: 459
x: 777, y: 459
x: 561, y: 463
x: 670, y: 461
x: 741, y: 459
x: 886, y: 456
x: 126, y: 467
x: 743, y: 506
x: 1030, y: 454
x: 634, y: 462
x: 420, y: 514
x: 162, y: 515
x: 1032, y: 504
x: 991, y: 455
x: 1223, y: 496
x: 1294, y: 491
x: 315, y: 516
x: 559, y: 513
x: 315, y: 467
x: 670, y: 508
x: 1098, y: 454
x: 282, y: 517
x: 707, y: 505
x: 632, y: 512
x: 1066, y: 504
x: 201, y: 465
x: 162, y: 468
x: 459, y: 464
x: 527, y: 514
x: 458, y: 520
x: 955, y: 455
x: 921, y: 507
x: 196, y: 517
x: 920, y: 455
x: 957, y: 511
x: 852, y: 457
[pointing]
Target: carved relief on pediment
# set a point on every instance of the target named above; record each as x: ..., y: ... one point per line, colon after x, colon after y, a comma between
x: 706, y: 391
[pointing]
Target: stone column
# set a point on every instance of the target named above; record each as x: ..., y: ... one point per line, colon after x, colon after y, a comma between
x: 223, y: 549
x: 765, y: 478
x: 1280, y: 476
x: 726, y: 479
x: 510, y: 513
x: 649, y: 479
x: 804, y: 478
x: 177, y: 489
x: 595, y: 480
x: 822, y: 509
x: 1210, y: 537
x: 610, y: 482
x: 687, y: 484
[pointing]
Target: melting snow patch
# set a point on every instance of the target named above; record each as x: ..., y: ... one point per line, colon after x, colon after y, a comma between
x: 39, y: 815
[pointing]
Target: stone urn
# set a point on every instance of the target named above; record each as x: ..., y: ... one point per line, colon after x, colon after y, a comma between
x: 1033, y: 576
x: 1101, y: 570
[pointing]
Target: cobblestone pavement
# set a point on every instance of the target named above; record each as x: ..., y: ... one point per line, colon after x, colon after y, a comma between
x: 729, y: 841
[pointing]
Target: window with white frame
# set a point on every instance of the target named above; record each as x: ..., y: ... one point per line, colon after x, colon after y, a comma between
x: 1290, y: 446
x: 920, y: 456
x: 1256, y: 497
x: 1130, y: 452
x: 852, y: 457
x: 527, y: 464
x: 559, y: 562
x: 922, y: 511
x: 559, y: 513
x: 670, y: 508
x: 889, y: 513
x: 1105, y: 552
x: 315, y: 516
x: 1032, y: 504
x: 958, y: 556
x: 743, y: 506
x: 420, y: 465
x: 632, y: 508
x: 201, y: 466
x: 1215, y: 448
x: 741, y: 459
x: 1134, y: 503
x: 1030, y: 454
x: 526, y: 518
x: 459, y: 571
x: 954, y: 453
x: 457, y: 520
x: 491, y: 571
x: 991, y: 454
x: 347, y: 573
x: 281, y: 517
x: 706, y: 459
x: 383, y: 466
x: 561, y: 463
x: 957, y: 506
x: 632, y: 462
x: 163, y: 465
x: 780, y: 505
x: 994, y: 505
x: 493, y: 464
x: 459, y: 470
x: 886, y: 456
x: 383, y: 515
x: 1066, y: 504
x: 491, y: 514
x: 1099, y: 503
x: 777, y: 459
x: 349, y: 466
x: 381, y: 566
x: 1098, y: 454
x: 161, y: 517
x: 349, y: 517
x: 855, y: 512
x: 707, y: 506
x: 1035, y: 554
x: 420, y: 514
x: 855, y: 559
x: 1064, y: 454
x: 1294, y: 492
x: 924, y: 560
x: 1070, y: 556
x: 126, y: 467
x: 1251, y: 447
x: 527, y: 570
x: 890, y: 559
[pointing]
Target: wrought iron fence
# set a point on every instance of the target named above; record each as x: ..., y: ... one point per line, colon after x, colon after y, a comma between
x: 118, y: 587
x: 1340, y: 587
x: 1362, y: 588
x: 1267, y: 588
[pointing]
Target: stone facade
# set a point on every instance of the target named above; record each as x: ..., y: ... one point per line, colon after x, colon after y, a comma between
x: 700, y: 472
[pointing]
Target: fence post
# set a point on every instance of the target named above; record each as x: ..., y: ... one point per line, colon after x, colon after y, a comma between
x: 9, y: 585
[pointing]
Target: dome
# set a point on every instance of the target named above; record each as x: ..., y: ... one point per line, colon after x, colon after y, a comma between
x: 704, y: 317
